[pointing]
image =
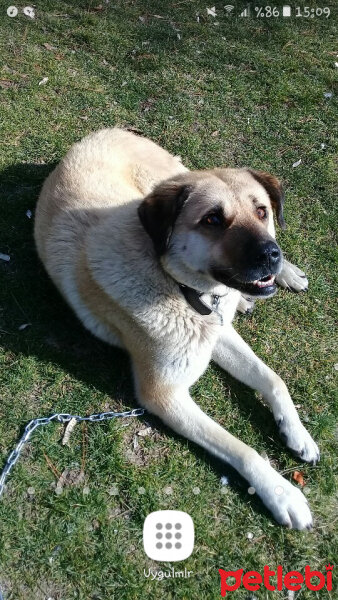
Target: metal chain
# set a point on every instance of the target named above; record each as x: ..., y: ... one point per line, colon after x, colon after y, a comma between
x: 61, y: 418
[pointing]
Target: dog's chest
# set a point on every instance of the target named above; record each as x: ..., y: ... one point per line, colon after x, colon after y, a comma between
x: 186, y: 342
x: 185, y: 350
x: 223, y: 306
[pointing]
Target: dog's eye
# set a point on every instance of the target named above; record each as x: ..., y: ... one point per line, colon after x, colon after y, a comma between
x: 213, y: 220
x: 262, y: 213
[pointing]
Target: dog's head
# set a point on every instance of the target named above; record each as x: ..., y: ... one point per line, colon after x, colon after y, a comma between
x: 217, y: 226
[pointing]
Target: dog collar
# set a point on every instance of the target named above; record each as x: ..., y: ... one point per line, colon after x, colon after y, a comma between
x: 193, y: 297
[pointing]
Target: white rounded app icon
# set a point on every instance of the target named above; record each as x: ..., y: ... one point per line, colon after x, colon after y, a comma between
x: 168, y: 535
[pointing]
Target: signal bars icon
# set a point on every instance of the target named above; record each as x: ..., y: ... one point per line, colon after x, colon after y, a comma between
x: 245, y: 12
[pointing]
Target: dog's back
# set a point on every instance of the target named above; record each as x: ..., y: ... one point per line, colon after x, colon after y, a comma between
x: 100, y: 178
x: 106, y: 168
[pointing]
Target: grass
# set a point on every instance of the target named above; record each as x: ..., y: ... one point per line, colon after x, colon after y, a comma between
x: 229, y: 91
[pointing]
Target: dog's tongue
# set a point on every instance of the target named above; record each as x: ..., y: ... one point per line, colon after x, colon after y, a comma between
x: 265, y: 281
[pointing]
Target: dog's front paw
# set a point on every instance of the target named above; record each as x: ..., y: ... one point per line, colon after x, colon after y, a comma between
x: 286, y: 502
x: 292, y: 278
x: 298, y: 439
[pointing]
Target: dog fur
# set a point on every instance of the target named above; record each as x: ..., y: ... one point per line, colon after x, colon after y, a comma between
x: 120, y: 226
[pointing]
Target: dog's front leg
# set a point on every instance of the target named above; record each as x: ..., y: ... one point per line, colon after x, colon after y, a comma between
x: 175, y: 407
x: 236, y: 357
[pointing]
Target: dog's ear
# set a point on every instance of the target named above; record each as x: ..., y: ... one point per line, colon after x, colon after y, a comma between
x: 275, y: 191
x: 158, y: 212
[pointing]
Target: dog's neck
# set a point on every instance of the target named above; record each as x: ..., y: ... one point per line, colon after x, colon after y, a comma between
x: 210, y: 289
x: 193, y: 297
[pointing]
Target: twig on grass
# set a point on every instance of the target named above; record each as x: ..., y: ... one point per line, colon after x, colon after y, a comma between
x: 52, y: 467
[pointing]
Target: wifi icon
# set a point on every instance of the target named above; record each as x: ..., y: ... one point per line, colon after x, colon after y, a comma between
x: 229, y: 8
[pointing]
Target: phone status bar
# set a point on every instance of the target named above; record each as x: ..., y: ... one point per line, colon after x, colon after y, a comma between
x: 286, y: 10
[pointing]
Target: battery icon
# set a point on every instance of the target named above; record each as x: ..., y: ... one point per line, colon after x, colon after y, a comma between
x: 286, y: 11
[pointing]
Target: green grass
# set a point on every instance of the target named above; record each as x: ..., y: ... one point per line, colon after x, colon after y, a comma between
x: 260, y: 84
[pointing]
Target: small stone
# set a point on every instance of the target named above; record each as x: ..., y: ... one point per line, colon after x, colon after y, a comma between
x: 249, y: 535
x: 144, y: 432
x: 31, y: 491
x: 196, y: 491
x: 141, y: 490
x: 86, y: 490
x: 168, y: 490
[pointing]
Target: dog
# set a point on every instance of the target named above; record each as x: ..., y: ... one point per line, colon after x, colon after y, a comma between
x: 156, y: 259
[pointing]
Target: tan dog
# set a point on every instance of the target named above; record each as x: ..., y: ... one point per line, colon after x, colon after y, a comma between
x: 154, y: 258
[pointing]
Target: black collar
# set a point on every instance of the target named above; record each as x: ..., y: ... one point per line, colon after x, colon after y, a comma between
x: 193, y: 297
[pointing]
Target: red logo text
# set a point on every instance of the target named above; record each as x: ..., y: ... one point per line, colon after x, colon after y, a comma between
x: 292, y: 580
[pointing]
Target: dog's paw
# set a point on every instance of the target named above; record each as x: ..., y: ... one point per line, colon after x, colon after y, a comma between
x: 292, y: 278
x: 246, y: 305
x: 298, y: 439
x: 286, y: 502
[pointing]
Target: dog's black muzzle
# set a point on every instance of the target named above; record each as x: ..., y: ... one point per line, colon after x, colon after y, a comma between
x: 255, y: 273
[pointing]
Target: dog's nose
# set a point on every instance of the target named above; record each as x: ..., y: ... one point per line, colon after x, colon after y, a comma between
x: 268, y: 254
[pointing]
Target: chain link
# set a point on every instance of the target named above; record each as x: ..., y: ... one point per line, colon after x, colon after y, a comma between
x: 61, y: 418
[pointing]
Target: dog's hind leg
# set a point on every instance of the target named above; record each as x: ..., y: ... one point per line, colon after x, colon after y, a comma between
x: 245, y: 305
x: 292, y: 278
